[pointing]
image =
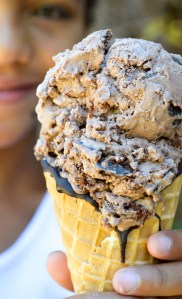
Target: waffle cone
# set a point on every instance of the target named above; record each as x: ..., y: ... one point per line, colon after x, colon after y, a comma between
x: 93, y: 250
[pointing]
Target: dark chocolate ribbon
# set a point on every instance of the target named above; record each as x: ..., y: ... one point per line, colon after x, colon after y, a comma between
x: 64, y: 186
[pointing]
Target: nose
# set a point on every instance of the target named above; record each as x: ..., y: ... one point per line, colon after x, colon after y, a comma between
x: 14, y: 45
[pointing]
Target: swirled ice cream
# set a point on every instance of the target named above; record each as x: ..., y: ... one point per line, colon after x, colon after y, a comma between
x: 111, y: 119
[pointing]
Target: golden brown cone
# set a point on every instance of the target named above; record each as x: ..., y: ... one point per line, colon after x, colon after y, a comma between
x: 93, y: 250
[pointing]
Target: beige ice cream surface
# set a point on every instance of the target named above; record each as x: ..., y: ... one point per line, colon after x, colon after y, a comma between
x: 112, y: 123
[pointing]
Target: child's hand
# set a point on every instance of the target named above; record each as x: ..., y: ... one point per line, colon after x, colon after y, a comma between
x: 58, y: 269
x: 107, y: 295
x: 164, y: 279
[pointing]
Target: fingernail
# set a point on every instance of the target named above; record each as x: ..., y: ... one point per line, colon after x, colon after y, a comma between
x: 126, y: 281
x: 163, y: 244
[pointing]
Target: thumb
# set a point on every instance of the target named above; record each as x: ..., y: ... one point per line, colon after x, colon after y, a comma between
x: 108, y: 295
x: 166, y: 245
x: 57, y: 267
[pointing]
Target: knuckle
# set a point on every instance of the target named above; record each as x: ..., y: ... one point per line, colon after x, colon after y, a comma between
x: 178, y: 235
x: 161, y: 278
x: 177, y: 245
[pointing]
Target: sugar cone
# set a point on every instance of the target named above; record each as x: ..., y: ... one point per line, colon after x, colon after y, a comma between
x: 94, y: 251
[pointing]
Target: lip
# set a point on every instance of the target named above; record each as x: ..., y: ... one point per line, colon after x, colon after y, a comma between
x: 13, y: 91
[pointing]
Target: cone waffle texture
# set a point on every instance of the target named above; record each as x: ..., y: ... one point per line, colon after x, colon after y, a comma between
x: 94, y: 251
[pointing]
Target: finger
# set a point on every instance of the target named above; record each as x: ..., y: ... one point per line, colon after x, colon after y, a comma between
x: 107, y: 295
x: 150, y: 280
x: 166, y: 245
x: 57, y: 267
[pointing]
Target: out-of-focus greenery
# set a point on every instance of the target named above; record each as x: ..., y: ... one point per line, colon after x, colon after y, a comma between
x: 164, y: 28
x: 157, y: 20
x: 165, y: 25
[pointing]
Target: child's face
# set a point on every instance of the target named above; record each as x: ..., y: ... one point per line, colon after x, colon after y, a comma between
x: 31, y: 32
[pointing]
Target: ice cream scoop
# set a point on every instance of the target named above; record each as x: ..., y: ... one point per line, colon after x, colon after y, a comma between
x: 111, y: 123
x: 110, y: 146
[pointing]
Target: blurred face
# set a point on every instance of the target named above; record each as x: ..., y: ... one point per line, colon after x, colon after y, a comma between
x: 31, y: 32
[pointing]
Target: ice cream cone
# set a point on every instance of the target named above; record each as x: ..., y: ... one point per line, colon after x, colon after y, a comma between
x: 94, y: 251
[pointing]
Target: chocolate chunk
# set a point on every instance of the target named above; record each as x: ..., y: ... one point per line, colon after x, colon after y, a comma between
x: 112, y: 167
x: 177, y: 122
x: 177, y: 59
x: 174, y: 110
x: 179, y: 168
x: 52, y: 154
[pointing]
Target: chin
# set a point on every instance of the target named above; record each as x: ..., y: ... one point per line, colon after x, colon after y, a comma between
x: 9, y: 141
x: 11, y: 138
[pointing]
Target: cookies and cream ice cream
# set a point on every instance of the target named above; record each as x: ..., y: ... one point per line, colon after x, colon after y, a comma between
x: 111, y: 120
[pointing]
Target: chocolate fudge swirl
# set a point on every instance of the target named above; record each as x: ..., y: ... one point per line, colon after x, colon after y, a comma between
x: 62, y: 185
x: 123, y: 236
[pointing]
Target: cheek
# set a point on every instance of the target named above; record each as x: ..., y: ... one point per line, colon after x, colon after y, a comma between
x: 16, y: 121
x: 49, y: 41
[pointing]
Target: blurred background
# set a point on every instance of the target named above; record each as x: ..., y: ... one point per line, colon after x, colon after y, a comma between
x: 157, y: 20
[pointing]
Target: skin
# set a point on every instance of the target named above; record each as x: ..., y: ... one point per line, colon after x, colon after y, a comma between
x: 28, y: 40
x: 156, y: 281
x: 97, y: 295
